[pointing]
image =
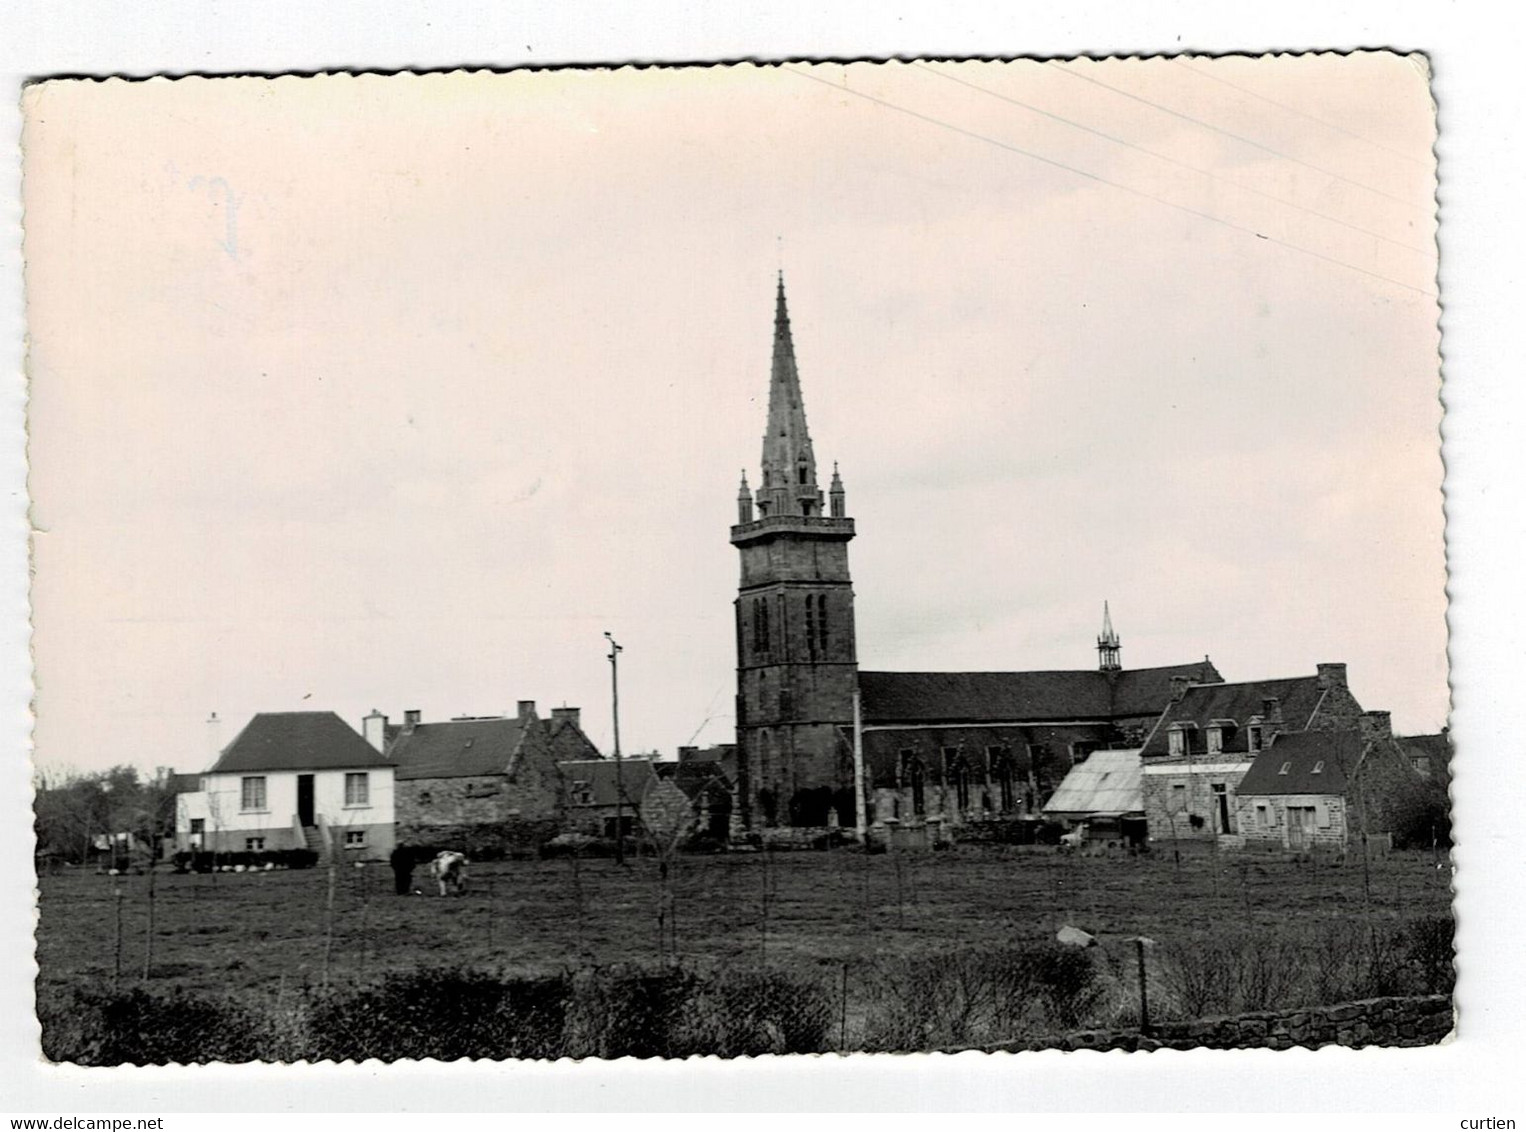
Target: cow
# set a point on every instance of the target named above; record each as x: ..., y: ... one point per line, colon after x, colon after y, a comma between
x: 449, y: 869
x: 1073, y: 840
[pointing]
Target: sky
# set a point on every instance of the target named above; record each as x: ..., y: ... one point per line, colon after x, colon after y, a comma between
x: 398, y: 392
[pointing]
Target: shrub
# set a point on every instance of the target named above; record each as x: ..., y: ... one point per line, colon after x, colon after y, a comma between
x: 94, y: 1026
x: 1429, y: 942
x: 445, y: 1013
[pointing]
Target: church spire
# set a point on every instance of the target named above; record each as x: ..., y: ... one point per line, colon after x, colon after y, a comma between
x: 1108, y: 645
x: 789, y: 464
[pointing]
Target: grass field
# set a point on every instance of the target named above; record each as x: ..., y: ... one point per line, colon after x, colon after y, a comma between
x: 261, y: 932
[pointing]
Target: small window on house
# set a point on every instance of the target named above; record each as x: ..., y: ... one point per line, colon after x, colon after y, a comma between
x: 1422, y: 765
x: 357, y: 789
x: 1253, y: 737
x: 253, y: 844
x: 1319, y: 767
x: 1261, y: 817
x: 1215, y: 740
x: 1285, y: 768
x: 354, y: 837
x: 1177, y: 741
x: 425, y: 797
x: 252, y: 793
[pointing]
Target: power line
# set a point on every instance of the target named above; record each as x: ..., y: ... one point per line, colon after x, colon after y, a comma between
x: 1302, y: 114
x: 1103, y: 180
x: 1173, y: 161
x: 1239, y: 138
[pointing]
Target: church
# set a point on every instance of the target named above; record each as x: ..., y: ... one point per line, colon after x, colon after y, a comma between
x: 955, y: 747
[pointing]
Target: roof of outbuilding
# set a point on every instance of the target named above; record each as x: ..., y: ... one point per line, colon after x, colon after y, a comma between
x: 1438, y: 748
x: 1316, y: 762
x: 184, y: 783
x: 463, y: 748
x: 1297, y: 697
x: 297, y: 740
x: 1107, y: 782
x: 960, y: 697
x: 602, y: 778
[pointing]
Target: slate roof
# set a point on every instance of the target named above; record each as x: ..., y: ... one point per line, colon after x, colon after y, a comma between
x: 1297, y: 697
x: 637, y: 774
x: 1107, y: 783
x: 1436, y: 748
x: 297, y: 740
x: 1337, y: 753
x: 465, y: 748
x: 980, y: 697
x: 185, y: 783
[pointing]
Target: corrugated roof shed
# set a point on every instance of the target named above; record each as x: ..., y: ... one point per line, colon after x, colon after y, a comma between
x: 466, y: 748
x: 975, y: 697
x: 1107, y: 783
x: 297, y: 740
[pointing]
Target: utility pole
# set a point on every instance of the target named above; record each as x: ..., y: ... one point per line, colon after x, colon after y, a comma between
x: 614, y: 684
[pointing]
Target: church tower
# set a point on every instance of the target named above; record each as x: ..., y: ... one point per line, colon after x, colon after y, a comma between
x: 797, y: 663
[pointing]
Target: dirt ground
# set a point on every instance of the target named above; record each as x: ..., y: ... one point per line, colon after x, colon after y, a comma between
x: 265, y: 931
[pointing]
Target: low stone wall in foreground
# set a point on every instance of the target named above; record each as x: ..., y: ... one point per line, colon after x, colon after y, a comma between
x: 1420, y: 1021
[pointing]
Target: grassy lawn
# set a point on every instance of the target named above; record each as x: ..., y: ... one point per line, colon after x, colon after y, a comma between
x: 264, y: 932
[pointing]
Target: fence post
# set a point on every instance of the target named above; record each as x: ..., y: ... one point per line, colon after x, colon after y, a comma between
x: 148, y: 931
x: 1140, y: 943
x: 328, y: 928
x: 842, y: 1041
x: 116, y: 972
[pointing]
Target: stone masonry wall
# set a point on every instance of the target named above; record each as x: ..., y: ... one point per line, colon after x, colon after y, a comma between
x: 1419, y: 1021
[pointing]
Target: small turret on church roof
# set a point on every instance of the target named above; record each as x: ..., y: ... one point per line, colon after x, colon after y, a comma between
x: 1109, y: 648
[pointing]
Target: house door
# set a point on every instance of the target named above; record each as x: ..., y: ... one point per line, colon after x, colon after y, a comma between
x: 305, y: 799
x: 1221, y: 806
x: 1300, y: 827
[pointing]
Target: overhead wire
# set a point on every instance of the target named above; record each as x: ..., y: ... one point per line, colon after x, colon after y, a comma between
x: 1105, y: 181
x: 1174, y: 161
x: 1300, y: 113
x: 1064, y: 70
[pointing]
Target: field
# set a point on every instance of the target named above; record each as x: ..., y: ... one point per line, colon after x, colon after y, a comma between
x: 265, y: 933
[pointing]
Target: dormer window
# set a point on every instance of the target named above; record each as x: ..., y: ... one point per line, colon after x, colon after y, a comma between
x: 1177, y: 741
x: 1253, y: 733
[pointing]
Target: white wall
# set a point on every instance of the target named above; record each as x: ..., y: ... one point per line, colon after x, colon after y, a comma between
x: 219, y: 804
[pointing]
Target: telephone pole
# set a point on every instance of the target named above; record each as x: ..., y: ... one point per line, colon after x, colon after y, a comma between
x: 614, y: 686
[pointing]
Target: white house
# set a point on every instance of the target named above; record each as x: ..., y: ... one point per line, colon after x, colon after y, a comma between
x: 292, y: 780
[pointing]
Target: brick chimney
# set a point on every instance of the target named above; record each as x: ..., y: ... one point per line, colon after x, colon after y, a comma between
x: 526, y: 709
x: 1331, y: 675
x: 374, y: 728
x: 1375, y: 725
x: 570, y: 715
x: 411, y: 719
x: 1179, y: 687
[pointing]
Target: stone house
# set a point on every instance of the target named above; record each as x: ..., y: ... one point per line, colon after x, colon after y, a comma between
x: 1322, y: 789
x: 480, y: 783
x: 1208, y: 736
x: 292, y: 780
x: 595, y: 791
x: 703, y: 779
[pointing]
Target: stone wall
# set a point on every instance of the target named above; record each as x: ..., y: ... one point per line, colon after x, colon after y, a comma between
x: 1419, y: 1021
x: 1169, y: 811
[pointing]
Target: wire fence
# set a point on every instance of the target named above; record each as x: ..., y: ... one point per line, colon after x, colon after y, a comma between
x: 730, y: 954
